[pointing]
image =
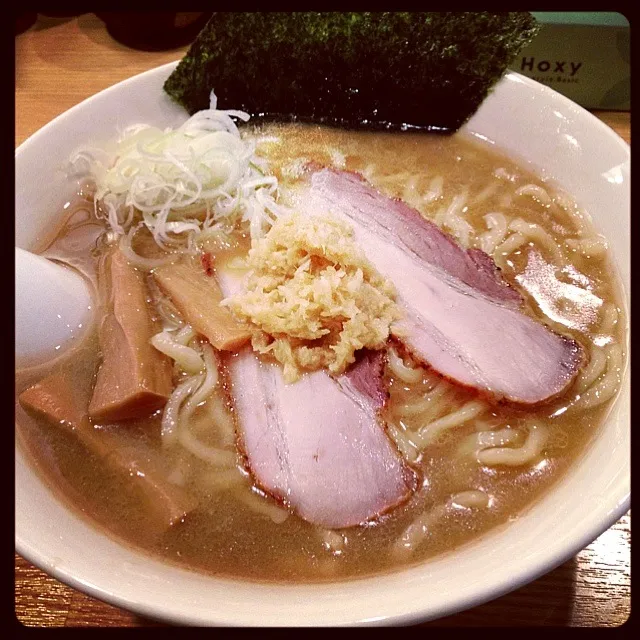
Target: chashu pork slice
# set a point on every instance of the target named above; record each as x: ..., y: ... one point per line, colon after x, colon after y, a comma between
x: 318, y: 445
x: 460, y: 318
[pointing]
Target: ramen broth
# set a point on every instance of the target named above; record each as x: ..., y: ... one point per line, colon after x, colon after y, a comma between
x: 480, y: 464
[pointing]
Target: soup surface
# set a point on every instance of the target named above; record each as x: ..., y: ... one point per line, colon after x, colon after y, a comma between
x: 479, y: 463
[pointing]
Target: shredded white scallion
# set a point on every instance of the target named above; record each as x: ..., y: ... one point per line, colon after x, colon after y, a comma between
x: 182, y: 181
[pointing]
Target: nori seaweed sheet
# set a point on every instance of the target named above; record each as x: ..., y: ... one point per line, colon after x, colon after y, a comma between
x: 369, y: 70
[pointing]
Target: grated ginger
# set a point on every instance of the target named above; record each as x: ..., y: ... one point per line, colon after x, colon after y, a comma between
x: 313, y: 296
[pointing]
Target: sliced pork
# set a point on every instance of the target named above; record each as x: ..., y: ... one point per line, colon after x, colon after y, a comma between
x: 461, y: 318
x: 365, y: 375
x: 318, y: 445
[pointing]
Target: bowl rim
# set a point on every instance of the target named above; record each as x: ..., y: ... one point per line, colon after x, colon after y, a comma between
x: 38, y: 557
x: 152, y: 611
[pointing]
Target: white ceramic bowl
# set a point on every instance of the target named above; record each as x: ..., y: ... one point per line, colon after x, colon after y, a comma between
x: 532, y: 123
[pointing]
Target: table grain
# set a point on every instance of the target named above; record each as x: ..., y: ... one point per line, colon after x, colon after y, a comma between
x: 61, y: 61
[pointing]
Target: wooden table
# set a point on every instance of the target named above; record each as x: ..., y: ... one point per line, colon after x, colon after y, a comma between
x: 62, y: 61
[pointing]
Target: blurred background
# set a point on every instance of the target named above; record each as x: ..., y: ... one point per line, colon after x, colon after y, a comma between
x: 585, y: 55
x: 144, y: 30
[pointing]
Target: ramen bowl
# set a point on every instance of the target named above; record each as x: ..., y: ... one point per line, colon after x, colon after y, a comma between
x: 544, y: 132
